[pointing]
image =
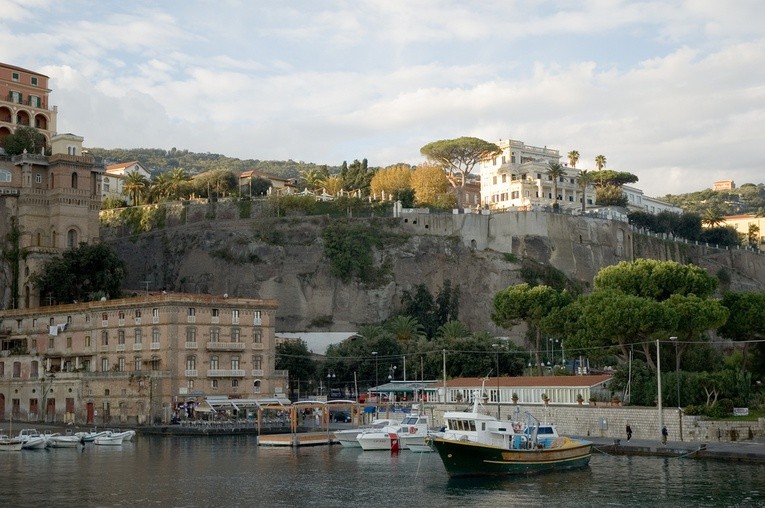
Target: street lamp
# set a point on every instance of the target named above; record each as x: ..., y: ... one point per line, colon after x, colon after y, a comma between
x: 677, y: 383
x: 374, y: 353
x: 392, y: 372
x: 330, y: 377
x: 496, y: 351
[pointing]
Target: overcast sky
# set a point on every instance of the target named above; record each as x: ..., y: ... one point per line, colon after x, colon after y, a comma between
x: 673, y: 91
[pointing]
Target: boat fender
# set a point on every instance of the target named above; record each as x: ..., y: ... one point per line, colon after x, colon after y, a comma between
x: 412, y: 430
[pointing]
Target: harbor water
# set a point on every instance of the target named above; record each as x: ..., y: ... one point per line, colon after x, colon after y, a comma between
x: 234, y: 471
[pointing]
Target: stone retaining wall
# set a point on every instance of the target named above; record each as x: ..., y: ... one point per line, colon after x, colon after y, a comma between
x: 611, y: 422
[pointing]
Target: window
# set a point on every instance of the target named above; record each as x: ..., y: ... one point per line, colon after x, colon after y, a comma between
x: 15, y: 76
x: 214, y: 334
x: 5, y: 175
x: 235, y: 335
x: 256, y: 336
x: 256, y: 317
x: 38, y: 178
x: 235, y: 363
x: 155, y: 335
x: 257, y: 362
x: 191, y: 362
x: 121, y: 364
x: 190, y: 384
x: 87, y: 341
x: 235, y: 317
x: 214, y: 362
x: 121, y: 337
x: 16, y: 97
x: 155, y: 363
x: 138, y: 336
x: 121, y: 315
x: 50, y: 343
x: 33, y: 80
x: 137, y: 364
x: 34, y: 101
x: 138, y: 313
x: 104, y: 338
x: 234, y: 383
x: 216, y: 313
x: 494, y: 180
x: 192, y: 312
x: 71, y: 239
x: 69, y: 343
x: 16, y: 369
x: 214, y: 384
x: 104, y: 364
x: 191, y: 334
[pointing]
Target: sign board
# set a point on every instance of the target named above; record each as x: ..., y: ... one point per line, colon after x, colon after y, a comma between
x: 740, y: 411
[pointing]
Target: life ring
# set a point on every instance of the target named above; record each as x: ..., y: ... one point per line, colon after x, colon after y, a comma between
x: 412, y: 430
x: 517, y: 428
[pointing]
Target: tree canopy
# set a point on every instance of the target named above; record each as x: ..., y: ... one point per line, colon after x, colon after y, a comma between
x: 23, y: 138
x: 459, y: 156
x: 85, y: 273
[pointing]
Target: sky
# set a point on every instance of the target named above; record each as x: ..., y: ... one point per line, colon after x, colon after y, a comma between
x: 672, y: 91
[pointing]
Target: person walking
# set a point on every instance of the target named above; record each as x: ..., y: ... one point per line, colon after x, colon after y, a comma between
x: 629, y: 432
x: 664, y: 434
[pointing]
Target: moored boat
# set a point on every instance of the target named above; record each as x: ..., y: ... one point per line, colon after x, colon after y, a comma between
x: 10, y: 444
x: 67, y: 440
x: 475, y: 443
x: 109, y: 438
x: 90, y: 435
x: 32, y: 440
x: 413, y: 433
x: 127, y: 435
x: 348, y: 437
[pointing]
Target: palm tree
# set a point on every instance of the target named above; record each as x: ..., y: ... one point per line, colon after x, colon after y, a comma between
x: 135, y: 187
x: 573, y: 158
x: 753, y: 234
x: 584, y: 179
x: 405, y: 328
x: 453, y: 330
x: 712, y: 217
x: 332, y: 185
x: 178, y: 177
x: 600, y: 162
x: 159, y: 188
x: 555, y: 171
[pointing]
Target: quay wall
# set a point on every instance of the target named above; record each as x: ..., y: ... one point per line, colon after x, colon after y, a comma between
x: 610, y: 422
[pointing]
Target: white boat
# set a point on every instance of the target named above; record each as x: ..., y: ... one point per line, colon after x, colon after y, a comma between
x: 127, y: 435
x: 67, y: 440
x: 90, y: 435
x: 10, y: 444
x: 413, y: 434
x: 32, y: 440
x: 348, y: 437
x: 379, y: 438
x: 109, y: 438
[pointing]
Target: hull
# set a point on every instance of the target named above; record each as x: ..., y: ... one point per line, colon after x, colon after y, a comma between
x: 113, y: 440
x: 35, y: 443
x: 464, y: 458
x: 373, y: 441
x: 415, y: 443
x: 63, y: 442
x: 10, y: 445
x: 347, y: 438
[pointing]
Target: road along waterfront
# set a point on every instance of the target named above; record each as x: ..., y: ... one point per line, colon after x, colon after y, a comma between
x: 234, y: 471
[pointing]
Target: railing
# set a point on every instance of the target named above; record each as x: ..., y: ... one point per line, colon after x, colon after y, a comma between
x: 155, y: 346
x: 191, y: 372
x: 281, y: 373
x: 257, y: 345
x: 257, y: 372
x: 137, y: 347
x: 120, y: 347
x: 225, y: 346
x: 225, y: 373
x: 191, y: 345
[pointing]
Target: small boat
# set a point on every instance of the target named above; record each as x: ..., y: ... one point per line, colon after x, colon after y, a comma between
x: 348, y: 437
x: 10, y: 444
x: 127, y: 435
x: 32, y: 440
x: 413, y: 433
x: 109, y: 438
x: 68, y: 440
x: 475, y: 444
x: 90, y: 435
x: 381, y: 438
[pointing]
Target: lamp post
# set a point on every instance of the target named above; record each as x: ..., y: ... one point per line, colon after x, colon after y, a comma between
x: 677, y: 383
x: 374, y: 353
x: 496, y: 352
x: 330, y: 377
x: 392, y: 372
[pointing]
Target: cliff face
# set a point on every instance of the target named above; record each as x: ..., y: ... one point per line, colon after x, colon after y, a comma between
x: 284, y: 258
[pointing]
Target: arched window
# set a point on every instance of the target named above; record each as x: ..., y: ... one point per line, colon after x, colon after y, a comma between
x: 71, y: 239
x: 74, y: 180
x: 5, y: 175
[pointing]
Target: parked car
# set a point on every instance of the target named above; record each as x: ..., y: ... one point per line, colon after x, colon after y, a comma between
x: 341, y: 416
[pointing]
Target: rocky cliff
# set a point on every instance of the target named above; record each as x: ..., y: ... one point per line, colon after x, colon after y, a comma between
x: 284, y: 258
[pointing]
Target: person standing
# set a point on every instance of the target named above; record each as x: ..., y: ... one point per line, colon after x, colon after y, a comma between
x: 629, y: 432
x: 664, y: 434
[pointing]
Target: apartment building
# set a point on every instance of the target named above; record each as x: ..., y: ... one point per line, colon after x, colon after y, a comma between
x: 135, y: 360
x: 637, y: 200
x: 750, y: 227
x: 24, y: 96
x: 517, y: 178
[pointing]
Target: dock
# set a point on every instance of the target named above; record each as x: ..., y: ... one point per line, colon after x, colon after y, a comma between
x: 297, y: 439
x: 752, y: 452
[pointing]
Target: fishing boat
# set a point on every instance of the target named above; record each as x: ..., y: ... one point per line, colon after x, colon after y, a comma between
x: 477, y: 444
x: 109, y: 438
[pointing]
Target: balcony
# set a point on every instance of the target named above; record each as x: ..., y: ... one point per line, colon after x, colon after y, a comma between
x: 155, y: 346
x: 191, y: 345
x: 103, y: 348
x: 137, y: 347
x: 281, y: 373
x: 226, y: 373
x: 257, y: 372
x: 120, y: 347
x: 225, y: 346
x: 258, y: 346
x: 191, y: 373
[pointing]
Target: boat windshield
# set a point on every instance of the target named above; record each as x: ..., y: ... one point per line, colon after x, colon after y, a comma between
x: 463, y: 425
x: 410, y: 420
